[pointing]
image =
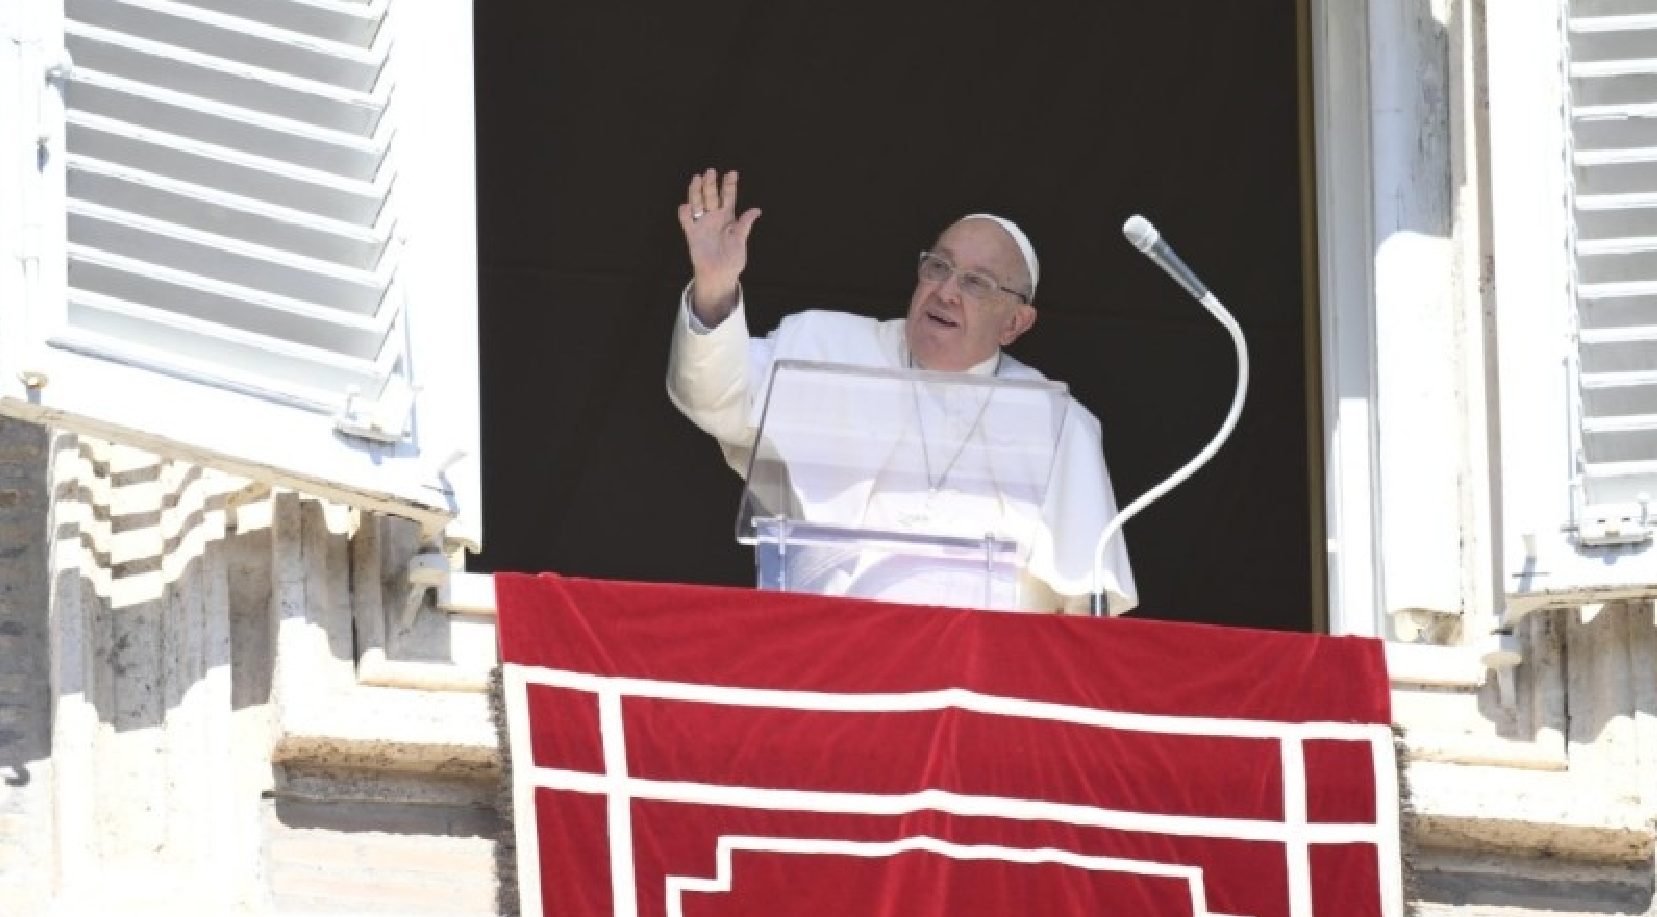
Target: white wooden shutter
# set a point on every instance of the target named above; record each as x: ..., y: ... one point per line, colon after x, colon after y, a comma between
x: 255, y: 235
x: 1613, y: 118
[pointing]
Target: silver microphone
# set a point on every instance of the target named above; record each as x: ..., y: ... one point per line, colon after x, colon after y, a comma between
x: 1145, y: 238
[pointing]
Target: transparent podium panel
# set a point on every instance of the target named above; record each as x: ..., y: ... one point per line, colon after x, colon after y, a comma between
x: 902, y: 485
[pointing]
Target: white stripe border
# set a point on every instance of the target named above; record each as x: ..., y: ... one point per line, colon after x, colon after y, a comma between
x: 949, y: 698
x: 677, y: 886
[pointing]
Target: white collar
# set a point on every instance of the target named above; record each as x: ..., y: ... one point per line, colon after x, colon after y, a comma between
x: 989, y: 367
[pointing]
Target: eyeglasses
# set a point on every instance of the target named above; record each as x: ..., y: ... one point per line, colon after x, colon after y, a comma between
x: 973, y: 284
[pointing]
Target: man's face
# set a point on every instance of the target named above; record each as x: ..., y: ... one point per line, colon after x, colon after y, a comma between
x: 949, y: 331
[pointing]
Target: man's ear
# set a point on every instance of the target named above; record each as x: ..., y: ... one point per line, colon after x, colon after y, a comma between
x: 1018, y: 322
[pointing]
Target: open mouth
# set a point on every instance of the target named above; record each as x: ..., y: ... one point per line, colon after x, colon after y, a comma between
x: 942, y: 320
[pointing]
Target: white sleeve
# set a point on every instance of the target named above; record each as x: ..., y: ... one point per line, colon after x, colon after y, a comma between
x: 1080, y: 501
x: 712, y: 374
x: 695, y: 321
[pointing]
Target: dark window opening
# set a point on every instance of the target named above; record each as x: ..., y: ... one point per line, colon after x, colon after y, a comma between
x: 861, y: 131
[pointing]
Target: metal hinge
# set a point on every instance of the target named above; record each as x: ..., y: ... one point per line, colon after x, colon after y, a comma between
x: 1602, y: 526
x: 384, y: 419
x: 44, y: 113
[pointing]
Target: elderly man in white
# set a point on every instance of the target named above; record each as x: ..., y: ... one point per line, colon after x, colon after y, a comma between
x: 973, y: 297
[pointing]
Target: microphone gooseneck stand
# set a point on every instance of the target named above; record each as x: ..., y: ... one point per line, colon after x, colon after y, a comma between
x: 1144, y: 237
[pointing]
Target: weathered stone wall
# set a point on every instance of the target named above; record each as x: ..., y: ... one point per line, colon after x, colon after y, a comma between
x: 1541, y: 795
x: 341, y: 840
x: 183, y: 728
x: 25, y: 695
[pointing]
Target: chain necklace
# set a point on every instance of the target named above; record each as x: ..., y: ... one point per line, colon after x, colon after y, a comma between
x: 933, y: 486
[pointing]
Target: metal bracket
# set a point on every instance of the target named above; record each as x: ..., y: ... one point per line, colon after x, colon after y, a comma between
x: 427, y: 571
x: 56, y: 74
x: 1502, y: 655
x: 452, y: 591
x: 383, y: 420
x: 1602, y: 526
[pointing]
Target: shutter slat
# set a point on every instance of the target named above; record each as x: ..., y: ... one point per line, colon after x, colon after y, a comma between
x: 255, y: 355
x: 339, y: 20
x: 1610, y: 216
x: 1614, y: 127
x: 1618, y: 483
x: 226, y: 81
x: 213, y: 211
x: 241, y: 174
x: 1628, y: 423
x: 226, y: 258
x: 335, y: 152
x: 230, y: 38
x: 1624, y: 84
x: 1627, y: 244
x: 1607, y: 395
x: 1606, y: 38
x: 1617, y: 171
x: 1615, y: 312
x: 1590, y: 8
x: 1618, y: 356
x: 1617, y: 261
x: 202, y: 297
x: 1638, y: 289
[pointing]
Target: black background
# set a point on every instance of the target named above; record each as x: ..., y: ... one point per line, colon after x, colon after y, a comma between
x: 862, y: 130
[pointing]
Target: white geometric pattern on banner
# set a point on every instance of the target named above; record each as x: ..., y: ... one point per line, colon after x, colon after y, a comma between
x: 677, y: 886
x: 620, y: 788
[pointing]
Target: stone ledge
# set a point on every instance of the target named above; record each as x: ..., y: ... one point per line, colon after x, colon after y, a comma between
x: 1417, y: 665
x: 1458, y: 883
x: 375, y: 670
x: 1543, y: 754
x: 442, y: 732
x: 1462, y: 806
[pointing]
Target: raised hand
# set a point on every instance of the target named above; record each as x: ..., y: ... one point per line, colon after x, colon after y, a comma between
x: 718, y: 242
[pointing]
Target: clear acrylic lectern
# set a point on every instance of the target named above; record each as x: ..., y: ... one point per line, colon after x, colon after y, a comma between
x: 901, y: 485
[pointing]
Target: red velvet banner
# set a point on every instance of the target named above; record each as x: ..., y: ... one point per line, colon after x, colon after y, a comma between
x: 693, y: 751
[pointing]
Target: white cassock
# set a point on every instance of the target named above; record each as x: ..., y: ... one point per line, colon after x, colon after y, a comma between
x: 718, y: 378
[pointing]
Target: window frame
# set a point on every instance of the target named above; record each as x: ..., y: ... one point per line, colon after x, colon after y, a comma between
x: 1411, y: 543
